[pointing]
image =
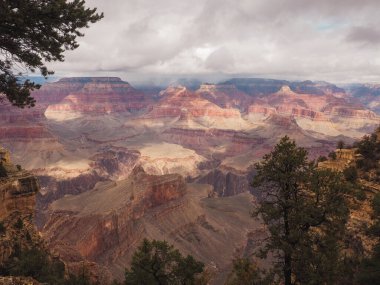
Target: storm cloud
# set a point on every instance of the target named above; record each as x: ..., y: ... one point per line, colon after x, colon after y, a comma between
x: 336, y: 41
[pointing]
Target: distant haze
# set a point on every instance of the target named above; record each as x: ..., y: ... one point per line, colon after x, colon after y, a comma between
x: 163, y: 40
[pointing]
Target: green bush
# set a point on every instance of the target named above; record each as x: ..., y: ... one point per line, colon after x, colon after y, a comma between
x: 157, y: 262
x: 350, y: 174
x: 3, y: 171
x: 332, y: 155
x: 321, y: 159
x: 360, y: 195
x: 19, y: 224
x: 2, y: 228
x: 376, y: 205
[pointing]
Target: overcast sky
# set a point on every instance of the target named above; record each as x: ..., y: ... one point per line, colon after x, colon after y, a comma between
x: 333, y: 40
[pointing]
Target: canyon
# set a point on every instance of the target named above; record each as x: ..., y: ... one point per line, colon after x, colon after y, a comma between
x: 117, y: 164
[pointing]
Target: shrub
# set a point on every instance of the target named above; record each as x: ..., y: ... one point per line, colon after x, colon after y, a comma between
x: 157, y: 262
x: 350, y: 174
x: 2, y: 228
x: 321, y: 159
x: 3, y: 171
x: 332, y: 155
x: 19, y: 224
x: 376, y: 204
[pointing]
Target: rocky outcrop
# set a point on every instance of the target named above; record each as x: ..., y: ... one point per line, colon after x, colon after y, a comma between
x: 366, y: 94
x: 203, y: 141
x: 353, y: 112
x: 55, y: 188
x: 52, y: 93
x: 106, y: 225
x: 22, y: 124
x: 257, y: 87
x: 98, y: 96
x: 225, y: 96
x: 311, y: 106
x: 103, y: 232
x: 226, y: 183
x: 17, y: 205
x: 115, y: 163
x: 17, y: 189
x: 179, y: 100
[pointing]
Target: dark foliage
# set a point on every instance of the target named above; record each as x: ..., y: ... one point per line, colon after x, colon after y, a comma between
x: 19, y: 224
x: 3, y: 171
x: 369, y: 270
x: 35, y: 32
x: 2, y: 228
x: 350, y: 174
x: 245, y: 272
x: 332, y: 155
x: 340, y: 144
x: 306, y: 212
x: 158, y: 263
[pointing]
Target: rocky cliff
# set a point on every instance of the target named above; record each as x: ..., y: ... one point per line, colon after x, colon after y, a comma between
x: 225, y: 96
x: 103, y: 223
x: 17, y: 206
x: 106, y: 224
x: 176, y: 100
x: 97, y: 96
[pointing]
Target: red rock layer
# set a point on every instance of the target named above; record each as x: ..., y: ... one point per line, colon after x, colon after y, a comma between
x: 225, y: 95
x: 96, y: 236
x: 102, y: 96
x: 353, y: 112
x: 315, y: 107
x: 179, y: 100
x: 204, y: 140
x: 22, y: 124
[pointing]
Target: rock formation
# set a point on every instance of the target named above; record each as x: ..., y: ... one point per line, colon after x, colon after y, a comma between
x: 106, y: 224
x: 97, y: 96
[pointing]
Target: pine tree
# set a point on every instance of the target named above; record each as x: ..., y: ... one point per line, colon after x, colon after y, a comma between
x: 305, y: 210
x: 158, y: 263
x: 35, y: 32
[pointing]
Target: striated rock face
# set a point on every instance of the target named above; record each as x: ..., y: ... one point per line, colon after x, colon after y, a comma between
x: 22, y: 124
x: 179, y: 100
x: 226, y: 183
x: 17, y: 204
x: 115, y: 163
x: 257, y: 87
x: 366, y: 94
x: 17, y: 194
x: 17, y: 190
x: 225, y: 96
x: 55, y: 188
x: 52, y: 93
x: 204, y: 141
x: 107, y: 224
x: 97, y: 96
x: 353, y: 112
x: 103, y: 223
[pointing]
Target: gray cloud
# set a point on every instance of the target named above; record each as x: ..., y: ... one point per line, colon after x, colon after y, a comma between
x: 293, y: 39
x: 365, y: 35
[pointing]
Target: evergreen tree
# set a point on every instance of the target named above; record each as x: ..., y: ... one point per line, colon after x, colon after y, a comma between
x: 3, y: 171
x: 305, y: 210
x: 245, y: 272
x: 369, y: 270
x: 158, y: 263
x: 34, y: 32
x: 340, y: 144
